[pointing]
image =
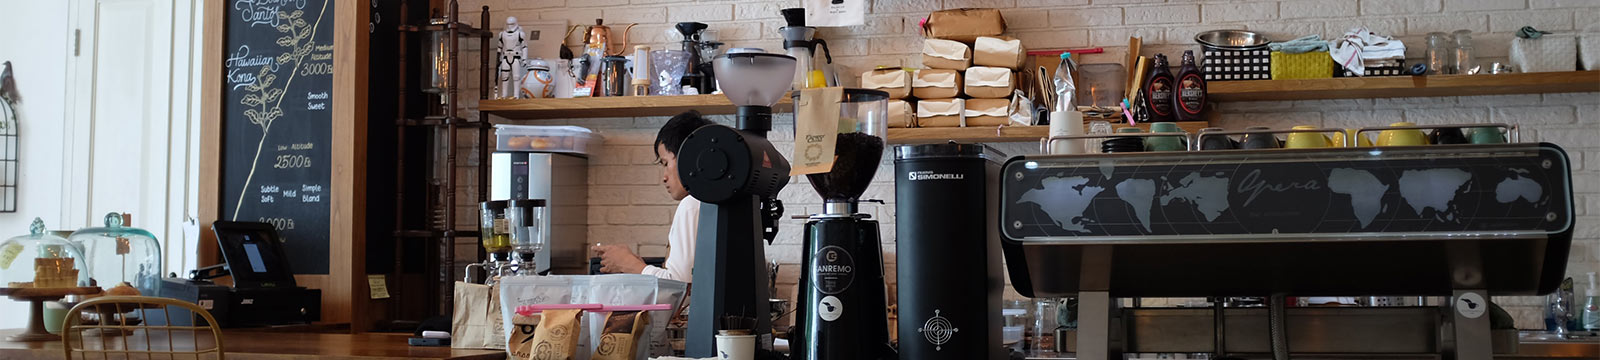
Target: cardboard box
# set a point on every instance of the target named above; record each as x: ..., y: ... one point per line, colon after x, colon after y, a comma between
x: 901, y: 114
x: 964, y: 25
x: 989, y: 82
x: 936, y: 84
x: 946, y: 54
x: 987, y: 112
x: 895, y: 81
x: 1003, y: 52
x: 940, y: 112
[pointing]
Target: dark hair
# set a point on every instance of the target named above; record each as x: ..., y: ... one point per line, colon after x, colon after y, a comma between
x: 677, y: 129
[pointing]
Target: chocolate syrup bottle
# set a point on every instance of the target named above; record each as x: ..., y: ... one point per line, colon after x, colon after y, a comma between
x: 1190, y: 102
x: 1158, y: 92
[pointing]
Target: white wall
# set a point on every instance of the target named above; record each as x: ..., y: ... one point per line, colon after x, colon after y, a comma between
x: 35, y: 38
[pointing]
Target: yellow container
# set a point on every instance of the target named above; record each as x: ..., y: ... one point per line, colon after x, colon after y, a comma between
x: 1311, y: 65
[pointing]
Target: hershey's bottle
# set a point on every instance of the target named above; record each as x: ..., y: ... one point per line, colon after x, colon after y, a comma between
x: 1190, y: 101
x: 1158, y: 92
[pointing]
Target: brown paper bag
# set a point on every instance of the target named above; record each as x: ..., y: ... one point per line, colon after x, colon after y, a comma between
x: 520, y: 342
x: 475, y: 320
x: 556, y: 337
x: 964, y: 24
x: 895, y: 81
x: 987, y: 112
x: 621, y: 336
x: 1003, y: 52
x: 940, y: 112
x: 816, y: 129
x: 936, y: 84
x: 945, y: 54
x: 901, y: 114
x: 989, y: 82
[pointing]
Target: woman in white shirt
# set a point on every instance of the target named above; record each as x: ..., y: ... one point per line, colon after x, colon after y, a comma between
x: 618, y: 259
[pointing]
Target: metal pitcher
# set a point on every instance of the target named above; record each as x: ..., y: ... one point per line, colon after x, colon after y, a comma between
x: 599, y: 36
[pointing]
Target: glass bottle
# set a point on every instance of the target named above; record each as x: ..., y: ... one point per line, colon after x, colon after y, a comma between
x: 1440, y: 55
x: 494, y: 229
x: 1465, y: 58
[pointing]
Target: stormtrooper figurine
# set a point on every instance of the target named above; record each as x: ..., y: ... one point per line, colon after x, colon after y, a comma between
x: 513, y: 49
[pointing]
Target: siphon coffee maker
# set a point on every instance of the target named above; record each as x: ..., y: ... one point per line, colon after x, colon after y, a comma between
x: 841, y: 306
x: 494, y: 233
x: 525, y: 220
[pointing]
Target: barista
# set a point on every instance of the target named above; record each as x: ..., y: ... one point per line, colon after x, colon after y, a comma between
x: 618, y: 259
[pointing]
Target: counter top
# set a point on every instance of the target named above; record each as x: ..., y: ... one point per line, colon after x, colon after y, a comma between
x: 256, y: 344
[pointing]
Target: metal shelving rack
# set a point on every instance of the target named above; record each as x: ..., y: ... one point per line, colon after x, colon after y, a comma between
x: 445, y: 235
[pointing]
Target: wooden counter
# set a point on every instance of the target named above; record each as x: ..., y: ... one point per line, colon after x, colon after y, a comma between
x: 253, y: 344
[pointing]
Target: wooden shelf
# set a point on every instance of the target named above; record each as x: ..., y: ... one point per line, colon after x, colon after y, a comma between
x: 1404, y: 86
x: 522, y: 110
x: 999, y: 134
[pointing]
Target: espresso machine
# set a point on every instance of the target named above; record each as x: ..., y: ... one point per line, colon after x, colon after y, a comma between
x: 841, y: 307
x: 735, y: 173
x: 800, y: 42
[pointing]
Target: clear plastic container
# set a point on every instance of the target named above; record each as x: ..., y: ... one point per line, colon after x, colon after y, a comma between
x: 1465, y: 58
x: 1440, y: 55
x: 560, y: 139
x: 1101, y: 84
x: 863, y: 127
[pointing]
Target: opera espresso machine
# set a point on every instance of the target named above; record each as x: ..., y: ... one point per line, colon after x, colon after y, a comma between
x: 1459, y: 222
x: 840, y: 309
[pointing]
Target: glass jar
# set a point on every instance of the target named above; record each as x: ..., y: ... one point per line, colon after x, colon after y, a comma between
x: 1465, y: 58
x: 41, y: 260
x: 117, y: 254
x: 494, y: 230
x: 526, y: 218
x: 1440, y: 56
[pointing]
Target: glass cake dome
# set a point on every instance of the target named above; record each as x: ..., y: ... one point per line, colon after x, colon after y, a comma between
x: 41, y: 260
x: 116, y: 254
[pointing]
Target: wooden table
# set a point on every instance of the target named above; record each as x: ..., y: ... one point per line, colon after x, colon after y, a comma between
x: 247, y: 344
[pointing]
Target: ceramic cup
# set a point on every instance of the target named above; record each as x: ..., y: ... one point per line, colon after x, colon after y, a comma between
x: 55, y: 313
x: 1447, y: 136
x: 1339, y: 139
x: 1164, y: 143
x: 1217, y: 142
x: 1259, y: 141
x: 736, y: 347
x: 1402, y: 137
x: 1487, y: 135
x: 1306, y: 140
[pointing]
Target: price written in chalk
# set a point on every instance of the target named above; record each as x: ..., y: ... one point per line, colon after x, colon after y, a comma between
x: 292, y: 162
x: 279, y: 223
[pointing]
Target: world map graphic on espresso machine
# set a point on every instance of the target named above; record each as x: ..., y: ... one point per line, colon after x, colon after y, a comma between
x: 1515, y: 189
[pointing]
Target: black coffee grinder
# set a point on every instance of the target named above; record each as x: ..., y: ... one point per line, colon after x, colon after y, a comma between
x: 735, y: 173
x: 841, y: 309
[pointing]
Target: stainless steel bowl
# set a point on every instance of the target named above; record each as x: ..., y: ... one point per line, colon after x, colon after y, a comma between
x: 1233, y: 39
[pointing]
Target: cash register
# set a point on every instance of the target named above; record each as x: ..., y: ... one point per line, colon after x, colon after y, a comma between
x: 264, y: 292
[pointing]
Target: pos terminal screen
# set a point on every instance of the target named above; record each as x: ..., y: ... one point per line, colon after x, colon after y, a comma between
x: 254, y: 254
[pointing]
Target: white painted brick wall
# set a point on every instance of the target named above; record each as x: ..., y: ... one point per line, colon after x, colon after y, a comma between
x: 629, y: 207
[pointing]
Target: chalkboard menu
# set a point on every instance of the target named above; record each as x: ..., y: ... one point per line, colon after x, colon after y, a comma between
x: 277, y: 122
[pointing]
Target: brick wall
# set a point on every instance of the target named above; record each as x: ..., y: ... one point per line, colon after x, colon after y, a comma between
x: 627, y: 204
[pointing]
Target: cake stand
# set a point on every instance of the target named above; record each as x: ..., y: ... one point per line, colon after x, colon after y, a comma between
x: 36, y: 298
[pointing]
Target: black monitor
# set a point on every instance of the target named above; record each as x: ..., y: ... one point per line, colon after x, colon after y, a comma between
x: 254, y: 254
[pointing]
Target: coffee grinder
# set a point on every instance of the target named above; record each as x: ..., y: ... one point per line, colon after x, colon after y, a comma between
x: 841, y: 308
x: 800, y: 42
x: 734, y: 173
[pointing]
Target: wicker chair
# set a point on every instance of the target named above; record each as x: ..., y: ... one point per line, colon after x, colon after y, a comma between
x: 124, y: 330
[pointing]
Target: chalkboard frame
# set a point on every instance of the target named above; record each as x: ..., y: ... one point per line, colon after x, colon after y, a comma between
x: 344, y: 295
